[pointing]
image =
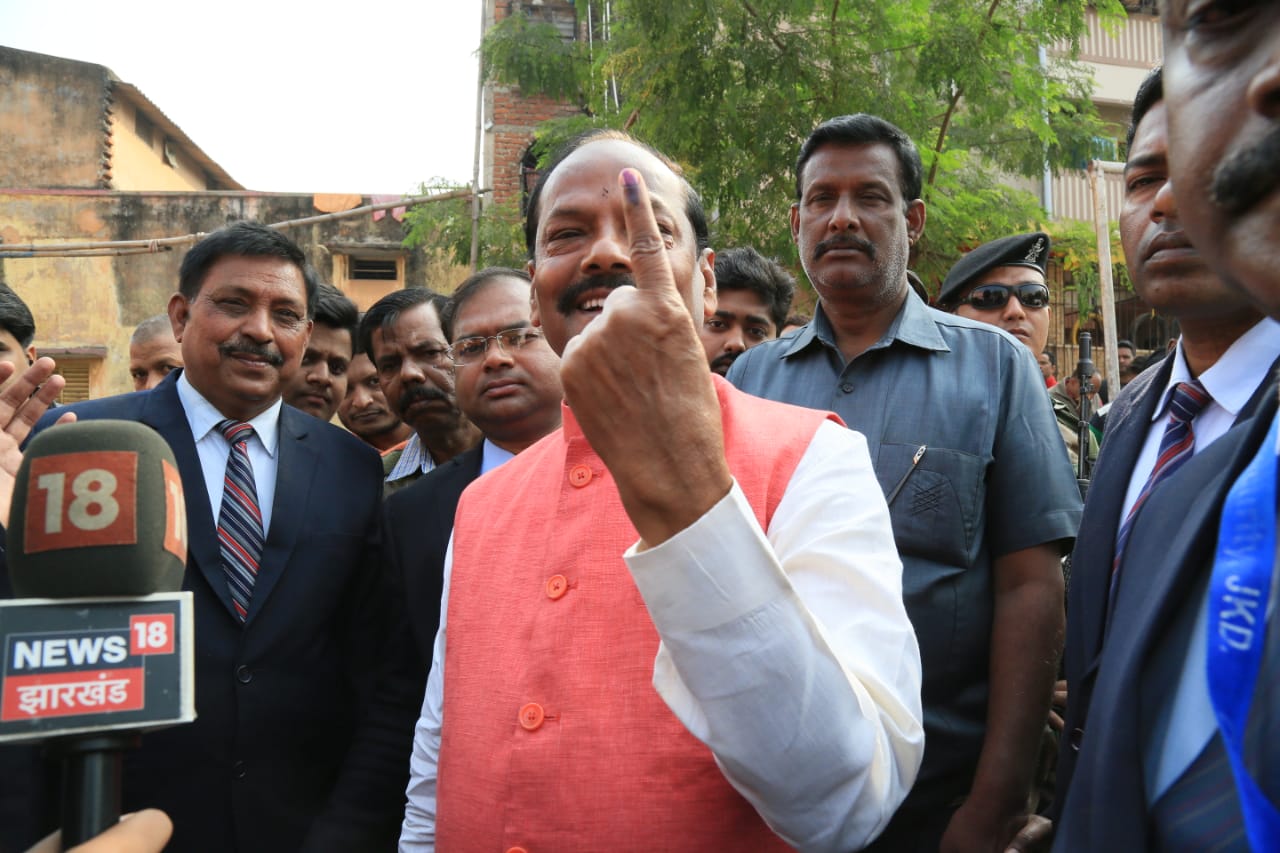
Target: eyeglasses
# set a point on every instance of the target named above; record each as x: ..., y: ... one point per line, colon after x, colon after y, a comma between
x: 989, y: 297
x: 474, y: 349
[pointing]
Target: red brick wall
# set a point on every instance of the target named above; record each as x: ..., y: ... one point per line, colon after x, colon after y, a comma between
x: 514, y: 116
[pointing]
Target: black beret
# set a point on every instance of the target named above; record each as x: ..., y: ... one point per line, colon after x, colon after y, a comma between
x: 1021, y: 250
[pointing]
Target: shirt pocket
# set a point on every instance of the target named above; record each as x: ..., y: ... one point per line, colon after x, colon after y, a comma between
x: 936, y: 508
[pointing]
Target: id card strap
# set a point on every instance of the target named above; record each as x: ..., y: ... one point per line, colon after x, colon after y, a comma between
x: 1238, y: 594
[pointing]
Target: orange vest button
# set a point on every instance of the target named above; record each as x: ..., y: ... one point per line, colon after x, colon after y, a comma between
x: 580, y: 475
x: 531, y: 716
x: 557, y: 586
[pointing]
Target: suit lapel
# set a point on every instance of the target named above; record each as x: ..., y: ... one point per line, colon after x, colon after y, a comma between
x: 1123, y: 440
x: 295, y: 471
x: 1180, y: 521
x: 163, y: 412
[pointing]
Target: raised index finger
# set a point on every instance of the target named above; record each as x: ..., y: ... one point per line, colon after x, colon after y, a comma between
x: 649, y: 264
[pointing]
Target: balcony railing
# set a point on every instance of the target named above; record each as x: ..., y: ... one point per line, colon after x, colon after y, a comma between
x: 1073, y: 200
x: 1135, y: 44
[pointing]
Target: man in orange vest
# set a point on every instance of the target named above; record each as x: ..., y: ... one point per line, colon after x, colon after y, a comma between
x: 676, y: 623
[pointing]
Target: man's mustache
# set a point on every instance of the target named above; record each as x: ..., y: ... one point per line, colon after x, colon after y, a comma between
x: 724, y: 360
x: 240, y: 346
x: 1247, y: 177
x: 845, y: 241
x: 568, y: 300
x: 424, y: 393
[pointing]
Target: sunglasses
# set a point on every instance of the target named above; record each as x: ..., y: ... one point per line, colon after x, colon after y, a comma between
x: 989, y: 297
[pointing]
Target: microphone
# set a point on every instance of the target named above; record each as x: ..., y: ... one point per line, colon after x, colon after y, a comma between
x: 100, y: 645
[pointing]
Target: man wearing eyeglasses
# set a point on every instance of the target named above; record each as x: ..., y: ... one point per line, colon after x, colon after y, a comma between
x: 507, y: 380
x: 981, y: 496
x: 405, y: 341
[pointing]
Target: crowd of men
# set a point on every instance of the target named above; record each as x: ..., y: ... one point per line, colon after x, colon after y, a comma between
x: 609, y: 557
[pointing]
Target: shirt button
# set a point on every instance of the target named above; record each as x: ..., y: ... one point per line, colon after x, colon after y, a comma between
x: 238, y: 770
x: 847, y: 388
x: 516, y: 850
x: 557, y: 586
x: 243, y: 674
x: 1077, y: 735
x: 531, y: 716
x: 579, y: 476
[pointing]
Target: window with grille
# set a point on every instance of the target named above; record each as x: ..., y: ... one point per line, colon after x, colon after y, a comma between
x: 367, y: 269
x: 76, y: 372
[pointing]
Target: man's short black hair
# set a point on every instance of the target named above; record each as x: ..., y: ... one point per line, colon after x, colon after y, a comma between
x: 388, y: 309
x: 470, y: 286
x: 692, y: 201
x: 864, y: 129
x: 743, y: 268
x: 244, y: 239
x: 1127, y: 345
x: 15, y: 317
x: 1150, y: 93
x: 336, y: 311
x: 1053, y: 359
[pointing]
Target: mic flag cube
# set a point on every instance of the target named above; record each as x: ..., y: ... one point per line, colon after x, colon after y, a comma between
x: 98, y: 510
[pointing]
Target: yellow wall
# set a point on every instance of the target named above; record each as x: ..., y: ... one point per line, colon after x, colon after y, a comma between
x: 73, y: 299
x: 137, y: 166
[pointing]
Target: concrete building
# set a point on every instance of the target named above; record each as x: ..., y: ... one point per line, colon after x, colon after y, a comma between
x: 89, y: 159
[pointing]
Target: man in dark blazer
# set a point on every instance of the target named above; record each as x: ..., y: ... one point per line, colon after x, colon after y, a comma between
x: 508, y: 384
x: 1152, y: 774
x: 1219, y: 328
x: 285, y: 753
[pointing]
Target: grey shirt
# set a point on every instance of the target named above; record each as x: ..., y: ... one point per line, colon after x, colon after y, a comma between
x: 994, y: 479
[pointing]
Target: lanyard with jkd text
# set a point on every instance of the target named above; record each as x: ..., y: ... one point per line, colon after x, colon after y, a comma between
x: 1238, y: 596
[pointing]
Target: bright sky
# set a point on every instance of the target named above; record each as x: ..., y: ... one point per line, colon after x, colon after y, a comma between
x: 321, y: 96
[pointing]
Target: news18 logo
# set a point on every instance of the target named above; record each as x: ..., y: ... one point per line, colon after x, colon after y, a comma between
x: 78, y: 500
x: 82, y: 672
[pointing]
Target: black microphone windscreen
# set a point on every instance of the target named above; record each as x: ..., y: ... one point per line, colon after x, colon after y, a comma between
x: 98, y: 510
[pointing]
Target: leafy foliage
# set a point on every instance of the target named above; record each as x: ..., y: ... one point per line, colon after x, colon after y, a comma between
x: 446, y: 226
x: 730, y: 88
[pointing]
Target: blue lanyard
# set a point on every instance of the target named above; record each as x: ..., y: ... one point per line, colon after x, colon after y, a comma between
x: 1238, y: 596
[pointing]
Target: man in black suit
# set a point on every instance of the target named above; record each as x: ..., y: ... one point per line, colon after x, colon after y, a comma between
x: 508, y: 384
x: 1153, y: 773
x: 1226, y: 345
x: 282, y: 755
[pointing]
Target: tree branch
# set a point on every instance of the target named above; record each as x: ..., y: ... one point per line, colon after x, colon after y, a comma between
x: 951, y: 111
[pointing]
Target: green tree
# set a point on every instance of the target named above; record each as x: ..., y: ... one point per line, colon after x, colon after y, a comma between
x: 730, y: 88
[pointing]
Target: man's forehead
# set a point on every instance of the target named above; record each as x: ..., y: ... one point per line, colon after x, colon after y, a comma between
x: 593, y: 169
x: 326, y: 337
x: 878, y: 155
x: 740, y: 300
x: 1150, y: 138
x: 504, y: 295
x: 413, y: 323
x: 1009, y: 272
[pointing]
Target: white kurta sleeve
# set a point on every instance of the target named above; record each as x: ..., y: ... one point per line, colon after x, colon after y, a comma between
x: 418, y: 834
x: 789, y: 652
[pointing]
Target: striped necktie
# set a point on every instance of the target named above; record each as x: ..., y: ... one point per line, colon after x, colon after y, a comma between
x: 240, y: 520
x: 1177, y: 445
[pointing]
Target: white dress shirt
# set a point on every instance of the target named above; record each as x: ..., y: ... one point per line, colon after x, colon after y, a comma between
x: 1231, y: 381
x: 214, y: 451
x: 828, y: 745
x: 1182, y: 726
x: 492, y: 456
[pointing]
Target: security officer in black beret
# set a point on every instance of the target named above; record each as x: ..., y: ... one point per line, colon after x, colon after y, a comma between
x: 1001, y: 283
